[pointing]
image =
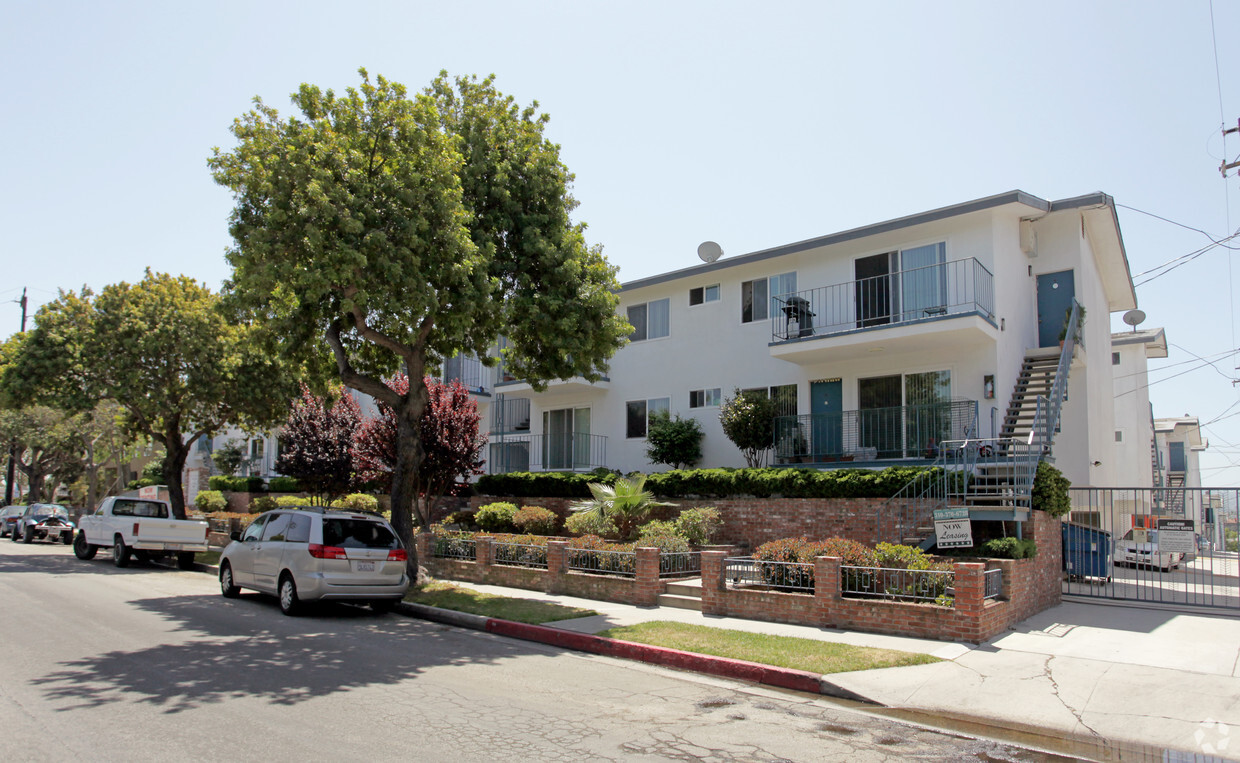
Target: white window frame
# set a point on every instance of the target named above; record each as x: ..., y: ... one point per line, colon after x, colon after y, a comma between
x: 648, y: 409
x: 773, y: 286
x: 666, y: 304
x: 706, y: 295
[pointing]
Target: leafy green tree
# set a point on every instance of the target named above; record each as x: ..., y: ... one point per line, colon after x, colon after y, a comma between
x: 749, y: 422
x: 105, y: 447
x: 165, y: 351
x: 627, y: 503
x: 229, y: 457
x: 400, y: 230
x: 48, y: 446
x: 676, y: 442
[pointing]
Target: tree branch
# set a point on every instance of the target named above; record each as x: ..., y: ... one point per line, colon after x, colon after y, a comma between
x: 351, y: 378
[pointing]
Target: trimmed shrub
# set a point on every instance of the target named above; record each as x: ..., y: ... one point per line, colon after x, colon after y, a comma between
x: 357, y: 502
x: 697, y: 525
x: 804, y: 551
x: 1009, y: 548
x: 460, y: 518
x: 662, y: 535
x: 536, y: 520
x: 590, y: 523
x: 236, y: 484
x: 496, y: 517
x: 290, y: 501
x: 284, y: 485
x: 1050, y: 491
x: 210, y: 501
x: 144, y: 482
x: 261, y: 503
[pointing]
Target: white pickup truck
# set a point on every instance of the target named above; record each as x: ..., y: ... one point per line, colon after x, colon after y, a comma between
x: 142, y: 528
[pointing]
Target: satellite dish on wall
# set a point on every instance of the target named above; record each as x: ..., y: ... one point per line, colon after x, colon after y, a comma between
x: 1133, y: 318
x: 709, y: 251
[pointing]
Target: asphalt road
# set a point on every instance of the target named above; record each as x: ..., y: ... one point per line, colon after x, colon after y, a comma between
x: 149, y: 663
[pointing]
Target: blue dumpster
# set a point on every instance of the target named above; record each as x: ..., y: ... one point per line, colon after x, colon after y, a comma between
x: 1086, y: 552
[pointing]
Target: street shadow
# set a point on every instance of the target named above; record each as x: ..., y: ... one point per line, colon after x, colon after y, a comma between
x: 251, y: 650
x: 68, y: 564
x: 1059, y: 620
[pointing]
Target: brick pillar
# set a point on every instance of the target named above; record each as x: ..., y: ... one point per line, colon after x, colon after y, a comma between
x: 557, y: 565
x: 483, y: 553
x: 424, y: 547
x: 827, y: 590
x: 971, y: 597
x: 714, y: 588
x: 646, y: 585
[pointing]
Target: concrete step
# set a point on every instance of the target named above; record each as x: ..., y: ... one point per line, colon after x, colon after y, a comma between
x: 692, y: 588
x: 679, y: 602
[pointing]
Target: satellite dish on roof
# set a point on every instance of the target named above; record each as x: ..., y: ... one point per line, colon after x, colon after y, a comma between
x: 1133, y: 318
x: 709, y: 251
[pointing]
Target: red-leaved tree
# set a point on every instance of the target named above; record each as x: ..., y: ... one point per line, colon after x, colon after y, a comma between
x: 316, y: 446
x: 450, y: 438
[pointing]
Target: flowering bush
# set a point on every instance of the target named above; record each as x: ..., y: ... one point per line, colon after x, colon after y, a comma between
x: 535, y: 520
x: 590, y: 523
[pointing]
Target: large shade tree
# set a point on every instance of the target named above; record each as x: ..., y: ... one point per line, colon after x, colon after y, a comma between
x: 165, y: 352
x: 48, y: 446
x: 399, y: 229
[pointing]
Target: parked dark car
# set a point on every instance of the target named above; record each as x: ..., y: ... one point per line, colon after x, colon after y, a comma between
x: 44, y: 521
x: 8, y: 518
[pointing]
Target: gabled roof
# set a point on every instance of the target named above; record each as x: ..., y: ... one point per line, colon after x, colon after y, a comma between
x: 1098, y: 210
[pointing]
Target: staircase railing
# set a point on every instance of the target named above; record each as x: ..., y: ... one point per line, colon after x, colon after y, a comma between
x: 951, y: 474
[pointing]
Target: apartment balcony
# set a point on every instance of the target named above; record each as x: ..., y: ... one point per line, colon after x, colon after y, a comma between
x: 470, y: 372
x: 567, y: 452
x: 507, y: 383
x: 927, y: 308
x: 909, y: 432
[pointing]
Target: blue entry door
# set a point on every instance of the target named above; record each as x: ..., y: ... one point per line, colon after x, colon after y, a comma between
x: 826, y: 402
x: 1055, y: 294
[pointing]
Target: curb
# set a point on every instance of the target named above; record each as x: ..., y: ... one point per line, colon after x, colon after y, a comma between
x: 784, y: 678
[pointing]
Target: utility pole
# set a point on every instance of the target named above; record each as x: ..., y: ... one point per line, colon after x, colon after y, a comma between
x: 11, y: 475
x: 1226, y: 165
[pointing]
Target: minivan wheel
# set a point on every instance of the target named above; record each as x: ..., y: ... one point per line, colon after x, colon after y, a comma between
x: 289, y: 603
x: 227, y: 587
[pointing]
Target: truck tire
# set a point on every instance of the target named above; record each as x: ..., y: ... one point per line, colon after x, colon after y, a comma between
x: 185, y: 560
x: 120, y: 552
x: 287, y: 594
x: 83, y: 550
x: 229, y: 589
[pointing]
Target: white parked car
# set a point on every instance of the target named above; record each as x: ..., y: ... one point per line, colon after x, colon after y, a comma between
x: 316, y: 554
x: 1145, y: 554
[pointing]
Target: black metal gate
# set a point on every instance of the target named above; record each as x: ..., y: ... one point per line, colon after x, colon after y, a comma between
x: 1175, y: 546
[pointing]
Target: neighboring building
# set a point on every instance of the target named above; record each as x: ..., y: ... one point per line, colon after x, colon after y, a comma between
x: 260, y: 453
x: 1137, y: 460
x: 1180, y: 445
x: 878, y: 344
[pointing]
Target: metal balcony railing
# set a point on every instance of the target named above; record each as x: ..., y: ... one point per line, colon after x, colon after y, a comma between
x: 545, y: 453
x: 909, y: 431
x: 959, y: 287
x: 469, y: 371
x: 510, y: 414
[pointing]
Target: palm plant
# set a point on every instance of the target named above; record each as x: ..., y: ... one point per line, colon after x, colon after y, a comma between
x: 626, y: 504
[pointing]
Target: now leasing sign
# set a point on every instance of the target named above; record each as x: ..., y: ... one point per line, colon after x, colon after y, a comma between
x: 952, y: 528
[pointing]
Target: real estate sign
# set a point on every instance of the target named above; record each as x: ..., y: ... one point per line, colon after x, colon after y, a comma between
x: 952, y: 528
x: 1176, y: 536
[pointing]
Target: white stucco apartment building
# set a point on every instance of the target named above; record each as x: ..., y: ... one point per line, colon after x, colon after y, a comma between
x: 1137, y: 462
x: 881, y: 341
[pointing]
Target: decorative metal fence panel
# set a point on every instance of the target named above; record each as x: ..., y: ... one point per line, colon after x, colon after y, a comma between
x: 908, y: 431
x: 602, y: 562
x: 688, y: 563
x: 994, y: 584
x: 894, y: 584
x: 519, y: 555
x: 572, y: 451
x: 456, y: 548
x: 785, y: 576
x: 1168, y: 545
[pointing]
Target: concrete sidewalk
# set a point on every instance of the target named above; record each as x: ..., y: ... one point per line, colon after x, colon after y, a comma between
x: 1107, y: 681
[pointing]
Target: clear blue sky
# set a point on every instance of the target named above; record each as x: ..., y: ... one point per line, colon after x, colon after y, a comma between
x: 683, y: 121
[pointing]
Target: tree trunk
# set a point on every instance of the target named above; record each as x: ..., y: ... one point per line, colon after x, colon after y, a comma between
x: 409, y: 455
x: 174, y: 463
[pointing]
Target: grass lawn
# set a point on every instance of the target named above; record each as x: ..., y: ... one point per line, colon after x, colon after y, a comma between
x: 207, y: 557
x: 447, y: 596
x: 781, y: 651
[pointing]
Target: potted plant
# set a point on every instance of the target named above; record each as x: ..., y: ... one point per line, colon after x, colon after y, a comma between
x: 1080, y: 327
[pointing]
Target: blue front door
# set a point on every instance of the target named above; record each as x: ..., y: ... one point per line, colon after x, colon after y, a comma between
x: 1055, y: 294
x: 826, y: 402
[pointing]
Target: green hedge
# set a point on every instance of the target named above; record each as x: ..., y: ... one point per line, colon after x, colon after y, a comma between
x: 714, y: 483
x: 284, y: 485
x: 237, y: 484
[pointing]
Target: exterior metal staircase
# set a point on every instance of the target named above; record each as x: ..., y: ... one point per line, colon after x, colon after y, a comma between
x: 991, y: 477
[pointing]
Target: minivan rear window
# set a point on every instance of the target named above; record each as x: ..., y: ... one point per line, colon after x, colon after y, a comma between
x: 357, y: 533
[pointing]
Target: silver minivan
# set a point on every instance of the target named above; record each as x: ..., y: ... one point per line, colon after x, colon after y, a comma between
x: 317, y: 554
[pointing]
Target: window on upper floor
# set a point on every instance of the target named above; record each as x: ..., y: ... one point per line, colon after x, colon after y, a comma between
x: 703, y: 294
x: 1115, y: 358
x: 638, y: 413
x: 651, y: 320
x: 758, y: 295
x: 704, y: 398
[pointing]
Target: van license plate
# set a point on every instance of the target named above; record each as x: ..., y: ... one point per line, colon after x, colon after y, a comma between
x: 363, y: 566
